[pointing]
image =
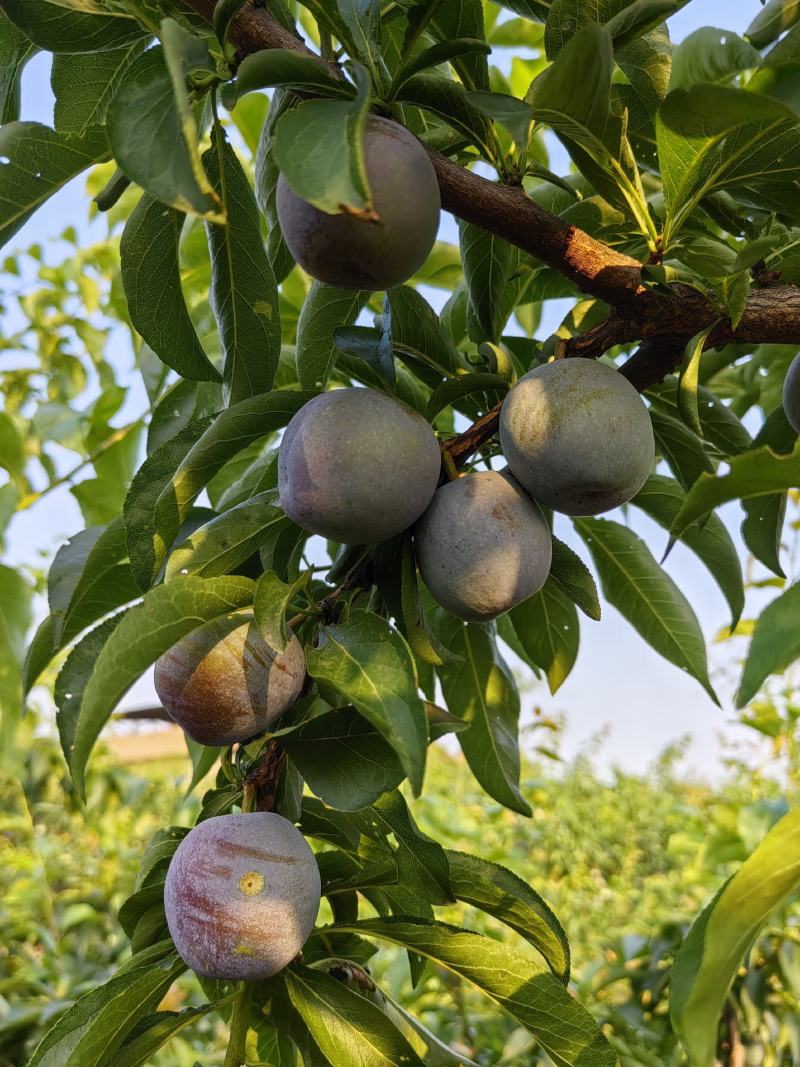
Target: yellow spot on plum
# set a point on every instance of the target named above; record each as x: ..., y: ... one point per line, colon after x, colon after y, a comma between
x: 251, y: 883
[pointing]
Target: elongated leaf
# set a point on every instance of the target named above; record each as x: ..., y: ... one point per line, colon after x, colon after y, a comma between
x: 15, y: 618
x: 152, y: 283
x: 710, y: 55
x: 280, y: 68
x: 498, y: 892
x: 145, y: 551
x: 487, y: 262
x: 319, y: 147
x: 436, y: 54
x: 646, y: 596
x: 244, y: 293
x: 324, y: 310
x: 681, y: 447
x: 764, y: 515
x: 344, y: 759
x: 152, y: 142
x: 518, y: 983
x: 37, y: 162
x: 777, y: 16
x: 775, y: 645
x: 167, y: 614
x: 454, y: 388
x: 169, y: 481
x: 448, y: 100
x: 84, y: 85
x: 421, y: 862
x: 418, y: 332
x: 453, y: 19
x: 58, y: 27
x: 481, y: 690
x: 713, y: 949
x: 154, y: 1031
x: 349, y: 1029
x: 755, y: 473
x: 573, y: 577
x: 547, y: 627
x: 689, y: 379
x: 15, y: 51
x: 662, y: 498
x: 97, y: 1024
x: 370, y: 665
x: 221, y: 545
x: 272, y: 599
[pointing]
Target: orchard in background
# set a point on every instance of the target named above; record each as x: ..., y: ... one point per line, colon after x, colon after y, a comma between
x: 383, y: 486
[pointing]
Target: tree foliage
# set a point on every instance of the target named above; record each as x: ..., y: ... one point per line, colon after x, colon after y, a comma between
x: 676, y: 232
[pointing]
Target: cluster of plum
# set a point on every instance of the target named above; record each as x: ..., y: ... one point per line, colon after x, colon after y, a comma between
x: 359, y: 467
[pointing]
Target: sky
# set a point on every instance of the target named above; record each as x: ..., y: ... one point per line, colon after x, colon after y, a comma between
x: 619, y: 687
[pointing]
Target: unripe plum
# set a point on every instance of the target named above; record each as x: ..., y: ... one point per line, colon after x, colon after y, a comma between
x: 357, y: 466
x: 483, y: 546
x: 352, y: 252
x: 791, y: 395
x: 241, y: 896
x: 223, y: 683
x: 577, y: 436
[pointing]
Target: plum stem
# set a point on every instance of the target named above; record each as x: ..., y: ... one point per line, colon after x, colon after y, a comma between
x: 236, y: 1054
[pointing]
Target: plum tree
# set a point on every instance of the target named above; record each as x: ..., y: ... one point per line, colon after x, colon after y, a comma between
x: 353, y: 252
x: 483, y: 546
x: 577, y: 436
x: 241, y: 895
x: 223, y: 683
x: 335, y: 477
x: 791, y: 394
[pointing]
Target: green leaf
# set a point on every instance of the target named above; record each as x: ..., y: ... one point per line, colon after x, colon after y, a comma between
x: 573, y: 97
x: 421, y: 862
x: 435, y: 54
x: 270, y: 604
x: 455, y: 388
x: 146, y: 552
x: 518, y: 983
x: 281, y: 68
x: 481, y: 691
x: 244, y: 293
x: 764, y: 515
x: 15, y: 619
x: 95, y: 1026
x: 573, y: 577
x: 350, y: 1030
x: 319, y: 147
x: 396, y: 577
x: 646, y: 596
x: 40, y: 652
x: 487, y: 264
x: 38, y: 162
x: 203, y: 758
x: 152, y: 283
x: 775, y: 645
x: 221, y: 545
x: 637, y: 18
x: 362, y: 18
x: 155, y: 1031
x: 344, y: 759
x: 448, y: 100
x: 169, y: 481
x: 454, y: 19
x: 769, y: 24
x: 755, y: 473
x: 689, y: 379
x: 153, y: 142
x: 59, y: 27
x: 683, y: 450
x: 417, y: 332
x: 711, y: 55
x: 324, y: 310
x: 15, y: 51
x: 712, y: 951
x: 498, y: 892
x: 510, y: 112
x: 83, y: 86
x: 146, y: 632
x: 547, y: 627
x: 662, y: 498
x: 371, y: 666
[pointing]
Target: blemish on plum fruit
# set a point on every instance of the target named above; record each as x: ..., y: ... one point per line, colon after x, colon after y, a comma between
x: 251, y: 884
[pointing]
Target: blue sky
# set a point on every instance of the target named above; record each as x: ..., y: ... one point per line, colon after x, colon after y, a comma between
x: 618, y: 681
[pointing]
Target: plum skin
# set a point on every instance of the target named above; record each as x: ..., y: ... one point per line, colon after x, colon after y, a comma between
x: 483, y: 546
x: 357, y: 253
x: 222, y: 683
x: 577, y: 436
x: 357, y: 466
x: 241, y: 896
